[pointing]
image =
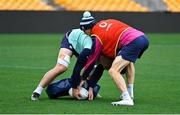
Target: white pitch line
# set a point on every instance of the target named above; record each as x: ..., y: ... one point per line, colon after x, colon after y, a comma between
x: 23, y: 67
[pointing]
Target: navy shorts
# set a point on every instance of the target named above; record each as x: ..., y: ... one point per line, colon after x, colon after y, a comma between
x: 134, y: 49
x: 64, y: 43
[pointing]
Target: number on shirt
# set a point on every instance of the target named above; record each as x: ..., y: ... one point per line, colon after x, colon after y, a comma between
x: 105, y: 25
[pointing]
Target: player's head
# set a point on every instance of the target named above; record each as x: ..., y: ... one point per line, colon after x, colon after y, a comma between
x: 87, y: 22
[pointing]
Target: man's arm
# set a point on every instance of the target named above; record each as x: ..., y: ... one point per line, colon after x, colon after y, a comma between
x: 92, y: 59
x: 85, y: 46
x: 94, y: 78
x: 81, y: 61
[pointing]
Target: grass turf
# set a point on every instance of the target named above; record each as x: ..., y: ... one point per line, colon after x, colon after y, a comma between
x: 24, y: 58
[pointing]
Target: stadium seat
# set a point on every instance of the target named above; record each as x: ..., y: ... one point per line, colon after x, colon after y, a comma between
x: 101, y: 5
x: 92, y: 5
x: 24, y: 5
x: 173, y: 5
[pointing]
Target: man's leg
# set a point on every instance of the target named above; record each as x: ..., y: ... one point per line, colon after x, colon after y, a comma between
x: 118, y: 65
x: 61, y: 66
x: 130, y: 79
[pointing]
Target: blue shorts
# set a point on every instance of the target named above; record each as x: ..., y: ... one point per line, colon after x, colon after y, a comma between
x: 65, y: 44
x: 134, y: 49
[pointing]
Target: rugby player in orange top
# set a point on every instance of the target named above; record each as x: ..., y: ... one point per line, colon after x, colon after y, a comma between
x: 120, y: 42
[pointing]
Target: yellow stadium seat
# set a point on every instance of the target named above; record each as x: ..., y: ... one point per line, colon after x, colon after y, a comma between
x: 74, y: 5
x: 24, y: 5
x: 173, y: 5
x: 100, y: 5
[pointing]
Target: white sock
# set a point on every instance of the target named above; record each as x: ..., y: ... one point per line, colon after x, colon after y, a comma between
x: 125, y: 95
x: 130, y: 90
x: 39, y: 89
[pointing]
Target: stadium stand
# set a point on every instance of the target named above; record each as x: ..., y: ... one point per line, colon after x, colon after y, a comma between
x: 24, y: 5
x: 101, y: 5
x: 173, y: 5
x: 153, y: 5
x: 92, y: 5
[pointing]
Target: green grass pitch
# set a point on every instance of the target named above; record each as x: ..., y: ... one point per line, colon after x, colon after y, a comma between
x: 24, y: 58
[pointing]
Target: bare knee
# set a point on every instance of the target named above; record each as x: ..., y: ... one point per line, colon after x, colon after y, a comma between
x: 112, y: 71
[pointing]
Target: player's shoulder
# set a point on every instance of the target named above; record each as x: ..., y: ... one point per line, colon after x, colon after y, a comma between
x: 78, y: 34
x: 104, y: 23
x: 109, y: 21
x: 76, y: 31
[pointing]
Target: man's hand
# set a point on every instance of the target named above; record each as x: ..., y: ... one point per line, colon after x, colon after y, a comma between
x: 76, y: 93
x: 90, y: 94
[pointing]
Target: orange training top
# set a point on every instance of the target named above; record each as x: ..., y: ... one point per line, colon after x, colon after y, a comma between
x: 109, y: 32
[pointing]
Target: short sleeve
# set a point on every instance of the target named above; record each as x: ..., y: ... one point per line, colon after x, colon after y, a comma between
x: 87, y: 43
